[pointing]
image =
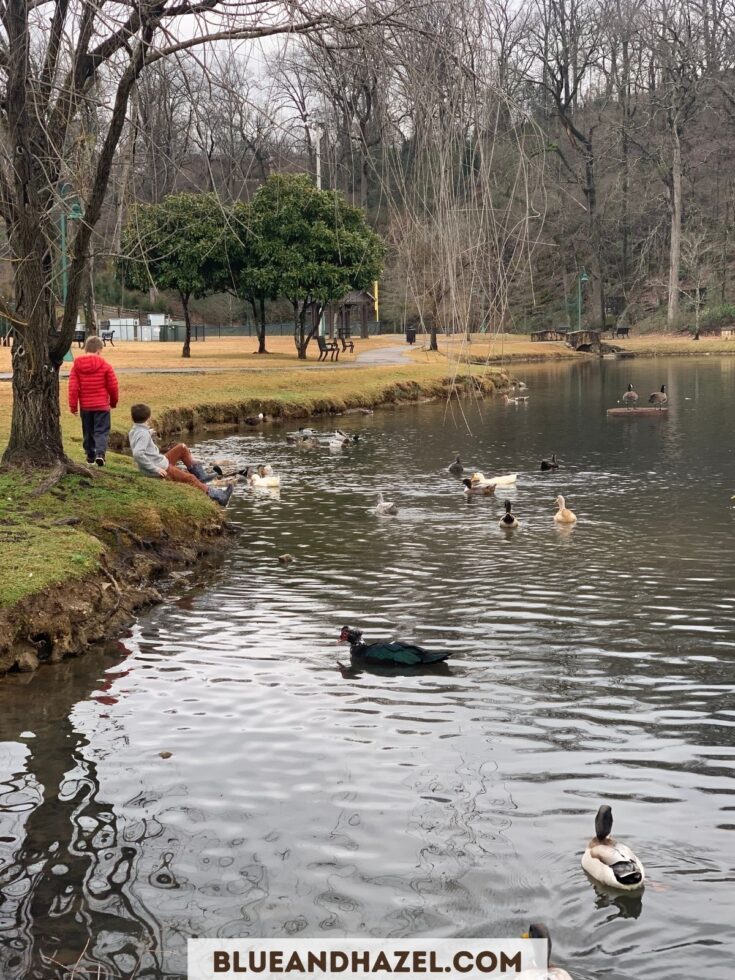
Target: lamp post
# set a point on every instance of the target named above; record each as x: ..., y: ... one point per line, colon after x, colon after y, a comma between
x: 76, y: 213
x: 583, y: 277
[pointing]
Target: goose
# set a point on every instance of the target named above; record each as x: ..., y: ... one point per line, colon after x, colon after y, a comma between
x: 659, y: 398
x: 630, y: 397
x: 478, y: 489
x: 384, y: 506
x: 456, y: 467
x: 264, y: 477
x: 508, y: 520
x: 537, y: 930
x: 550, y: 464
x: 609, y: 862
x: 507, y: 480
x: 564, y: 515
x: 393, y: 653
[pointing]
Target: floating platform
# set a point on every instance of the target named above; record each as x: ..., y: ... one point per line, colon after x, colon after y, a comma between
x: 637, y: 411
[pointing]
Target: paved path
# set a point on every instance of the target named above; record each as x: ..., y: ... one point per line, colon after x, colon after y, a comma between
x: 381, y: 357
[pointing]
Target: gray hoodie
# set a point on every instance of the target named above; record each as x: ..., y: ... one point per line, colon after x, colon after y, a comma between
x: 146, y: 453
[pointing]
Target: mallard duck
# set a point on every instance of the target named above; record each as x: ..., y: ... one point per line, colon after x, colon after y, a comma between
x: 630, y: 397
x: 520, y: 385
x: 392, y: 653
x: 336, y: 443
x: 537, y: 930
x: 508, y: 520
x: 550, y: 464
x: 507, y: 400
x: 384, y: 506
x: 609, y: 862
x: 564, y: 515
x: 659, y: 398
x: 255, y: 419
x: 478, y: 489
x: 507, y: 480
x: 264, y: 477
x: 456, y: 467
x: 286, y: 559
x: 339, y: 434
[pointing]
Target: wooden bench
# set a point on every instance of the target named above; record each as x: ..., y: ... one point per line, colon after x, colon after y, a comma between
x: 79, y: 337
x: 347, y: 343
x: 330, y: 347
x: 106, y: 335
x: 620, y: 332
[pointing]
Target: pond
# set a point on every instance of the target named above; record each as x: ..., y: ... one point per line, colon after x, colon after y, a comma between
x: 588, y: 666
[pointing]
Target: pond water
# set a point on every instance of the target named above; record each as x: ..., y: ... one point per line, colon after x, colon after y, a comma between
x: 587, y: 666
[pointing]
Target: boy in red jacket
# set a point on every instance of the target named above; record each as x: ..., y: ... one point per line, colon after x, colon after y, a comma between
x: 93, y: 390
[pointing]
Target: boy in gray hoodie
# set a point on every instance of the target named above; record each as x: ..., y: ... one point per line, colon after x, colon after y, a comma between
x: 152, y: 462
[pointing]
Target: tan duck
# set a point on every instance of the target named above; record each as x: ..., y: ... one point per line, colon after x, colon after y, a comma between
x: 564, y: 515
x: 610, y: 862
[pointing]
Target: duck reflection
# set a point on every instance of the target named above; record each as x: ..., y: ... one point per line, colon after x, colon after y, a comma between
x: 66, y: 870
x: 623, y: 905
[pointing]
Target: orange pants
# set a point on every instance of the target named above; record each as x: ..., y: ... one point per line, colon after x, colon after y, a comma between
x: 181, y: 454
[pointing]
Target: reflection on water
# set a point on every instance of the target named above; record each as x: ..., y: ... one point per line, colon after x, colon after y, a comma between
x: 304, y: 797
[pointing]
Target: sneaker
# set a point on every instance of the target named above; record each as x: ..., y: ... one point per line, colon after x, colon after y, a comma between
x: 90, y: 460
x: 100, y: 461
x: 220, y: 495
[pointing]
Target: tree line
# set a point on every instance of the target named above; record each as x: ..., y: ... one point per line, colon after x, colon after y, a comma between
x: 292, y: 240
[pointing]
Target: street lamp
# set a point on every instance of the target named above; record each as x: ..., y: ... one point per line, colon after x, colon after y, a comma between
x: 583, y: 277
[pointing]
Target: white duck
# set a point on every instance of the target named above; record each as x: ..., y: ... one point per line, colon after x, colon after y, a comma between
x: 564, y: 515
x: 264, y: 477
x: 507, y: 480
x: 384, y: 506
x: 537, y: 930
x: 610, y: 862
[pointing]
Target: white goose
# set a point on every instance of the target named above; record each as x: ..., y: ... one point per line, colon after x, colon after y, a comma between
x: 610, y: 862
x: 384, y: 506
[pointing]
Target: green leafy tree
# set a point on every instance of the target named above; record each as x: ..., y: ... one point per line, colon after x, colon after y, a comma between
x: 179, y: 245
x: 253, y: 279
x: 310, y: 246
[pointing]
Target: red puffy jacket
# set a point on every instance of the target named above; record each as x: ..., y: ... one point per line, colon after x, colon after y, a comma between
x: 92, y: 384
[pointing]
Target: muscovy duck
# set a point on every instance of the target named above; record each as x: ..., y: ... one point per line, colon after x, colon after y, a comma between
x: 388, y: 653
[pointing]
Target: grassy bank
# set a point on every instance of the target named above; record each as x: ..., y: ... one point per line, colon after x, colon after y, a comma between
x: 77, y: 559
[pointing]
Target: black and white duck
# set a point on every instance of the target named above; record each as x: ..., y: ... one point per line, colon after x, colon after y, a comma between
x: 390, y: 653
x: 550, y: 464
x: 610, y: 862
x: 659, y: 398
x: 508, y: 520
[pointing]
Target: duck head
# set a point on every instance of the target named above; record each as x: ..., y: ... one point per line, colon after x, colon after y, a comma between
x: 537, y: 930
x: 350, y: 635
x: 468, y: 483
x: 603, y: 822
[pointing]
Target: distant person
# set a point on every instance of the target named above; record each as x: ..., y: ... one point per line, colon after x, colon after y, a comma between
x: 93, y: 391
x: 152, y: 462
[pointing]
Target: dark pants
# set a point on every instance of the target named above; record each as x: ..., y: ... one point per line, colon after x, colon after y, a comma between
x: 96, y: 432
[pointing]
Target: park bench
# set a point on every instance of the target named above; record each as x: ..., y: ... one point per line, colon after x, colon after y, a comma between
x: 106, y: 335
x: 347, y: 343
x: 79, y: 336
x: 620, y: 332
x: 330, y: 347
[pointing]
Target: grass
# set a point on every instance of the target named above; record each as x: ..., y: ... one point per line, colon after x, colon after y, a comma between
x: 37, y: 553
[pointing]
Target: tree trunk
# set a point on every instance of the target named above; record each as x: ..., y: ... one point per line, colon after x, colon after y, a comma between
x: 675, y: 212
x: 90, y: 313
x: 261, y: 328
x: 186, y: 350
x: 298, y: 328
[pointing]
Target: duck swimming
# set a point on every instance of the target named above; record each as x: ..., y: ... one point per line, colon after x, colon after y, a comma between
x: 456, y: 467
x: 537, y: 930
x: 508, y: 520
x: 384, y: 506
x: 388, y: 653
x: 564, y: 515
x: 507, y: 480
x: 478, y: 489
x: 255, y: 419
x: 550, y: 464
x: 264, y: 477
x: 659, y: 398
x: 610, y: 862
x: 630, y: 397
